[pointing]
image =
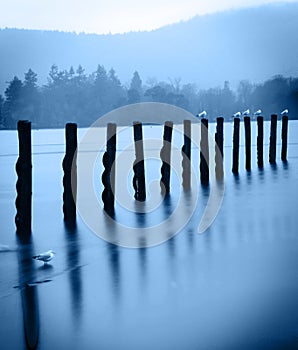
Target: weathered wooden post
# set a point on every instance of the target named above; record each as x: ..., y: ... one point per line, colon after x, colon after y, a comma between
x: 260, y: 141
x: 247, y: 143
x: 108, y: 176
x: 186, y: 155
x: 284, y: 138
x: 165, y: 155
x: 24, y: 181
x: 219, y: 137
x: 204, y: 153
x: 272, y: 145
x: 236, y: 134
x: 69, y: 166
x: 138, y: 166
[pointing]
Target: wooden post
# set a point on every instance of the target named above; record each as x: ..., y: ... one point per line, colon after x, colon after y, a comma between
x: 284, y: 138
x: 24, y: 182
x: 108, y: 176
x: 219, y: 136
x: 260, y: 141
x: 138, y: 166
x: 186, y: 155
x: 204, y: 153
x: 247, y: 143
x: 235, y: 167
x: 69, y: 166
x: 272, y: 145
x: 165, y: 155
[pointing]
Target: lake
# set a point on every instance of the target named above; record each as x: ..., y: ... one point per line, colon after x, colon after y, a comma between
x: 234, y: 286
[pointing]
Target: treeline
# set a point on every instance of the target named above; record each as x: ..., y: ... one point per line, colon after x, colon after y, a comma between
x: 72, y: 95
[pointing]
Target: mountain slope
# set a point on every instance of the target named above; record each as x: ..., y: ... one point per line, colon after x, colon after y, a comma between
x: 252, y: 43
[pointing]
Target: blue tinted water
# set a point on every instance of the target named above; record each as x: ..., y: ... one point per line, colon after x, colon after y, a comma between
x: 233, y: 287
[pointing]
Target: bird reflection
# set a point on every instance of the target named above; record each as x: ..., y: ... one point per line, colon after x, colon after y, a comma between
x: 29, y: 296
x: 73, y: 264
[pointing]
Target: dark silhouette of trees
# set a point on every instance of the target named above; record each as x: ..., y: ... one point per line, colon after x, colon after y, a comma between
x: 12, y: 108
x: 244, y: 91
x: 135, y: 92
x: 73, y: 95
x: 116, y: 93
x: 98, y: 91
x: 31, y: 98
x: 1, y: 112
x: 276, y: 94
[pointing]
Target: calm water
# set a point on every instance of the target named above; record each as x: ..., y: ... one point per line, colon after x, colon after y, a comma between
x: 233, y: 287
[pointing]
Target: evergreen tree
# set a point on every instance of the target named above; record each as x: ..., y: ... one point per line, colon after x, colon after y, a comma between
x: 1, y: 112
x: 99, y: 90
x: 31, y: 98
x: 30, y: 80
x: 71, y: 72
x: 13, y: 103
x: 115, y: 93
x: 134, y: 93
x: 53, y: 75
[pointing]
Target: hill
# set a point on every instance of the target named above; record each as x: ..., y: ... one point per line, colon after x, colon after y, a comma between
x: 252, y: 43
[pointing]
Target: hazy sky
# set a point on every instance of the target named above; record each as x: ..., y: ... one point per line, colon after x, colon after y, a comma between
x: 115, y: 16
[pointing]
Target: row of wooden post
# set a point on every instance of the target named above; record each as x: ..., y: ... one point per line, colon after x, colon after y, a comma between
x: 24, y: 162
x: 260, y: 140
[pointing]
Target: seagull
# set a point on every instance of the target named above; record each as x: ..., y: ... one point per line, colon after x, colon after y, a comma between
x: 246, y: 112
x: 258, y: 112
x: 237, y: 115
x: 45, y: 257
x: 202, y: 114
x: 284, y: 112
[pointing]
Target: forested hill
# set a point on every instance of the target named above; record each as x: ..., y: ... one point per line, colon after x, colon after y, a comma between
x: 253, y: 43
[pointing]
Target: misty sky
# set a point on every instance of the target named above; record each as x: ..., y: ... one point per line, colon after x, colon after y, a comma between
x: 115, y: 16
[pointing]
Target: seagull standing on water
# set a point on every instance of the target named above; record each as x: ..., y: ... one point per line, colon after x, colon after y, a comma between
x: 45, y: 257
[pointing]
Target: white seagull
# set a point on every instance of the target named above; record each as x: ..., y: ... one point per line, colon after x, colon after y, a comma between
x: 258, y: 112
x: 45, y: 257
x: 284, y: 112
x: 237, y: 115
x: 246, y: 112
x: 202, y: 114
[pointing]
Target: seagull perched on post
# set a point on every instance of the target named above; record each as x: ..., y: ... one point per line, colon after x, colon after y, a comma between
x: 202, y: 114
x: 258, y: 112
x: 284, y: 112
x: 45, y: 257
x: 246, y: 112
x: 237, y: 115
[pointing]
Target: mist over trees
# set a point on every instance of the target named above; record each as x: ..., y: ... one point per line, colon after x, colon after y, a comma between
x: 72, y: 95
x: 252, y: 43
